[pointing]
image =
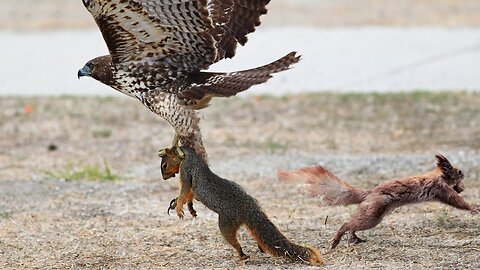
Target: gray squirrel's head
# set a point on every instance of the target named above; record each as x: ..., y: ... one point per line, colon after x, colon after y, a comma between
x: 171, y: 161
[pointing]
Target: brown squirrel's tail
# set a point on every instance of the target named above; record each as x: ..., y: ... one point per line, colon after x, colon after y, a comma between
x: 323, y: 183
x: 272, y: 241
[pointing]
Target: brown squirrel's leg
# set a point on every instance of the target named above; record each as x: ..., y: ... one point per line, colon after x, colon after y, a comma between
x: 367, y: 216
x: 451, y: 197
x: 459, y: 187
x: 354, y: 239
x: 229, y: 229
x: 338, y: 236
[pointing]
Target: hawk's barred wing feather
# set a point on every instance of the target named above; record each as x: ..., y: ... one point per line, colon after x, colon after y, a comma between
x: 156, y: 32
x: 243, y: 17
x: 181, y: 36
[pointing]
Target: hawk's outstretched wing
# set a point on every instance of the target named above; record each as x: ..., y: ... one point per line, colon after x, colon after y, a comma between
x: 235, y: 20
x: 156, y: 32
x: 182, y: 36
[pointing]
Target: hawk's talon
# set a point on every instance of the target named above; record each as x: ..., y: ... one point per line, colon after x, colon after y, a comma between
x: 162, y: 152
x: 176, y: 139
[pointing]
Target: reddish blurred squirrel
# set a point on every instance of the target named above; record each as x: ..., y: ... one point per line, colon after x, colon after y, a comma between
x: 443, y: 184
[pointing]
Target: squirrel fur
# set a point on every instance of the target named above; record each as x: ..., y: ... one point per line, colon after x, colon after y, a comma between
x: 443, y: 184
x: 232, y: 204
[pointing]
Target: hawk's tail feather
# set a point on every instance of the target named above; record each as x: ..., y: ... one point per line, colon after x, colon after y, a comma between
x: 279, y: 65
x: 229, y: 84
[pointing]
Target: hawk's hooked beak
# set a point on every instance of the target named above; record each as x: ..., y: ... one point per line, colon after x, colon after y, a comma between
x: 85, y: 71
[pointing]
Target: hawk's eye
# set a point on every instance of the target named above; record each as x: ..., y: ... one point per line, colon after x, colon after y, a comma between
x: 460, y: 173
x: 89, y: 65
x: 86, y: 2
x: 164, y: 166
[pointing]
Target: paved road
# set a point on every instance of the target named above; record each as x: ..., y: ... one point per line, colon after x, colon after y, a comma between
x: 341, y: 59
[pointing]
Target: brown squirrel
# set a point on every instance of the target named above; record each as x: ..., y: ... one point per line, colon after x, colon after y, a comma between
x: 232, y: 204
x: 442, y: 184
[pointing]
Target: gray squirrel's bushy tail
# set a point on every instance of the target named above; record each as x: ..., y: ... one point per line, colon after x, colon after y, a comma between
x: 272, y: 241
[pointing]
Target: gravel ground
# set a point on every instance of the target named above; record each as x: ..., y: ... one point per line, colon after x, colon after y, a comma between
x: 53, y: 217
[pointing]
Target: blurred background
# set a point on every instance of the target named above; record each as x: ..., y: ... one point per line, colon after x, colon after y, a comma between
x: 347, y: 45
x: 70, y: 14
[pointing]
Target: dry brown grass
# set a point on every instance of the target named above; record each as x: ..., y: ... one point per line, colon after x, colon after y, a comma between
x: 122, y: 224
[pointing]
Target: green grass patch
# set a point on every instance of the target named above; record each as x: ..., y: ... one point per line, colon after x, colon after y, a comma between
x: 5, y: 215
x: 442, y: 218
x: 88, y: 172
x: 101, y: 133
x: 275, y: 147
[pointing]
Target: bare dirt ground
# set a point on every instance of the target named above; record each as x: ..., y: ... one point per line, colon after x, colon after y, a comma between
x: 51, y: 14
x: 61, y: 208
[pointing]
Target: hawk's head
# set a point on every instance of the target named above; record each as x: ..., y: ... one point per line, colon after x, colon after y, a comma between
x: 99, y: 69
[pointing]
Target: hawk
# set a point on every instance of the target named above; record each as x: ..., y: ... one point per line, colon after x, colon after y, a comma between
x: 159, y: 49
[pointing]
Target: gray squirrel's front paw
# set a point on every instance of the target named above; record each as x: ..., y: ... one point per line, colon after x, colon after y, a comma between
x: 172, y: 206
x: 180, y: 213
